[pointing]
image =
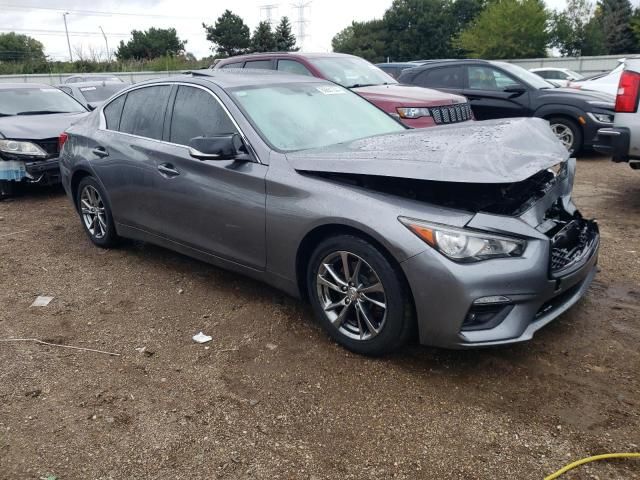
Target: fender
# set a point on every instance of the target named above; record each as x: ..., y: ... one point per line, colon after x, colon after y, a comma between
x: 553, y: 109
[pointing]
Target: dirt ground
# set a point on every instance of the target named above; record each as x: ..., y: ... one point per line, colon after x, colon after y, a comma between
x: 272, y: 397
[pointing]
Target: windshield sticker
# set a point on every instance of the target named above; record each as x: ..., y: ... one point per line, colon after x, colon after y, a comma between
x: 49, y: 90
x: 331, y: 90
x: 87, y: 89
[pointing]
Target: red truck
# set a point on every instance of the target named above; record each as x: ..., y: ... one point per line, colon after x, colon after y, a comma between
x: 416, y: 107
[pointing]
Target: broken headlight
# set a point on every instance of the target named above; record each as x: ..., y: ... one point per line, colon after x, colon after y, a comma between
x: 462, y: 245
x: 413, y: 112
x: 16, y: 147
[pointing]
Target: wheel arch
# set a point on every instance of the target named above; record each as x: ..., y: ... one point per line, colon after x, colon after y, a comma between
x: 320, y: 233
x: 76, y: 178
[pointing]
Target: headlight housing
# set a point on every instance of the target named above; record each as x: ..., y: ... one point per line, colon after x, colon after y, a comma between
x: 464, y: 246
x: 18, y: 147
x: 413, y: 112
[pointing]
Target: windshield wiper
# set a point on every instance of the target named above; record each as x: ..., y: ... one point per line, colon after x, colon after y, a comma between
x: 360, y: 85
x: 5, y: 114
x: 40, y: 112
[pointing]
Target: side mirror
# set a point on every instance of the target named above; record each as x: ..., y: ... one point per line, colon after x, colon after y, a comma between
x: 221, y: 147
x: 515, y: 89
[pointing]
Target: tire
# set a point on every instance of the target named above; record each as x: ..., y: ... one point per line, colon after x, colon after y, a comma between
x: 7, y: 189
x: 364, y: 327
x: 101, y: 231
x: 563, y: 124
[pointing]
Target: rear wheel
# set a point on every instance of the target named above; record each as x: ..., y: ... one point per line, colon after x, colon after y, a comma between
x: 95, y: 213
x: 568, y: 132
x: 359, y: 297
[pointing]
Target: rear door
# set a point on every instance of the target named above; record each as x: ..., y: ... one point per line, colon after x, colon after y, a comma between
x: 125, y: 152
x: 447, y: 78
x: 486, y: 89
x: 216, y: 206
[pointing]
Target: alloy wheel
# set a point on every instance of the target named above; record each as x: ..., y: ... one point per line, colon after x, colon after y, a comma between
x: 93, y: 212
x: 351, y: 295
x: 564, y: 134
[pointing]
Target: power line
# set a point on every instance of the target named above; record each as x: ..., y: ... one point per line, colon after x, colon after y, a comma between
x: 99, y: 13
x: 37, y: 31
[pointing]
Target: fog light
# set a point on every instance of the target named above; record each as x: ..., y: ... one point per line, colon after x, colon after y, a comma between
x: 491, y: 300
x: 483, y: 317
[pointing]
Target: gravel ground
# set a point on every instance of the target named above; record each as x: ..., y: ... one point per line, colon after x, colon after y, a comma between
x: 271, y: 397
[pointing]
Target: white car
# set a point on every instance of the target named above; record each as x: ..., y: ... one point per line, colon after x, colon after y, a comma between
x: 560, y: 77
x: 622, y: 141
x: 604, y: 82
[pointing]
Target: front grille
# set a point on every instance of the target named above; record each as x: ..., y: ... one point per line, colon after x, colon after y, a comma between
x: 572, y: 244
x: 49, y: 145
x: 451, y: 113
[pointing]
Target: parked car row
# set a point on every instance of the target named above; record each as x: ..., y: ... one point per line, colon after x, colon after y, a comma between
x: 463, y: 233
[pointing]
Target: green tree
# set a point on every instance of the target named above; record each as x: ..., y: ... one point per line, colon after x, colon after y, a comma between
x: 594, y: 41
x: 364, y: 39
x: 230, y: 35
x: 20, y: 48
x: 507, y: 29
x: 615, y: 18
x: 149, y: 44
x: 569, y: 28
x: 285, y: 39
x: 263, y: 39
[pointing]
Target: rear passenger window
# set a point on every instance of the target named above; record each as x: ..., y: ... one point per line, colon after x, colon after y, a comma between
x: 197, y: 114
x: 445, y: 77
x: 143, y: 112
x: 232, y: 65
x: 292, y: 66
x: 113, y: 111
x: 260, y: 64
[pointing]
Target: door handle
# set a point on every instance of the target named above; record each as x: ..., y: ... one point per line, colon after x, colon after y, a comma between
x: 100, y: 152
x: 168, y: 170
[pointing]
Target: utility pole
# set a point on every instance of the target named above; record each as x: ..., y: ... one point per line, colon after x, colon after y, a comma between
x: 268, y: 12
x: 106, y: 42
x: 301, y: 6
x: 64, y: 17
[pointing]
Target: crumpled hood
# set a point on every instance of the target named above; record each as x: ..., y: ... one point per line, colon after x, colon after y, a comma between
x: 492, y: 151
x: 409, y: 95
x: 37, y: 127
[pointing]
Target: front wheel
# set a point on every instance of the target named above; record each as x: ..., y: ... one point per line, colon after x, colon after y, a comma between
x: 360, y: 299
x: 568, y: 132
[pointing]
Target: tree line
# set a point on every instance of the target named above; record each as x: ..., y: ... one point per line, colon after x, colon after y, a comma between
x: 155, y: 48
x: 493, y: 29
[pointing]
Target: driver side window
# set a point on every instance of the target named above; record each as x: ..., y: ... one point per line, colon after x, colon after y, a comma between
x: 488, y: 78
x: 197, y: 114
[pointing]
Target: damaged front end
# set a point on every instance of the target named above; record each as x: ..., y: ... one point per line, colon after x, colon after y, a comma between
x: 29, y: 161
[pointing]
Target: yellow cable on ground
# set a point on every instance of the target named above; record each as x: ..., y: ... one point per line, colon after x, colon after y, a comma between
x: 577, y: 463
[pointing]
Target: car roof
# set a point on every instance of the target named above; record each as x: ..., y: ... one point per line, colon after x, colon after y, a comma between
x: 94, y: 83
x: 14, y: 86
x: 237, y: 77
x: 398, y: 64
x: 249, y: 56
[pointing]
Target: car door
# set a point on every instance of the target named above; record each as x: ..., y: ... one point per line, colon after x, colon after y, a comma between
x: 124, y: 152
x: 494, y: 93
x: 216, y: 206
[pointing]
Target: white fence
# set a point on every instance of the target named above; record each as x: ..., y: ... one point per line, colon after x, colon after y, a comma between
x: 584, y: 65
x: 56, y: 78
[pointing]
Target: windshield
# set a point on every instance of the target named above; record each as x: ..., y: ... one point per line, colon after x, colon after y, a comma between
x: 524, y: 75
x: 351, y: 72
x: 25, y: 101
x: 300, y: 116
x: 100, y: 93
x: 575, y: 75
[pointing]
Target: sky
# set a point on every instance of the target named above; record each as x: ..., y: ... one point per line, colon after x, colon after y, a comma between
x: 43, y: 20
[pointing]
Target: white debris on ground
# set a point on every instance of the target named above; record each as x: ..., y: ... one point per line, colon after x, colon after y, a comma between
x: 202, y: 338
x: 41, y: 301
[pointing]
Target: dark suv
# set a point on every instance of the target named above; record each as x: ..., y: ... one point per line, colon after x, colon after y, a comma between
x: 501, y: 89
x: 415, y: 107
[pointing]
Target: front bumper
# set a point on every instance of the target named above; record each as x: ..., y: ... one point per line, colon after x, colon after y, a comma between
x: 444, y: 294
x: 614, y: 142
x: 43, y: 172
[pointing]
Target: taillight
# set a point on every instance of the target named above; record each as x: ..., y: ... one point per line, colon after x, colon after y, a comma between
x: 61, y: 139
x: 627, y: 98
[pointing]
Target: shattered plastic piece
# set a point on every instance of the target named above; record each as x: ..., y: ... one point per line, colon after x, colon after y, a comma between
x: 202, y: 338
x: 271, y: 346
x: 41, y: 301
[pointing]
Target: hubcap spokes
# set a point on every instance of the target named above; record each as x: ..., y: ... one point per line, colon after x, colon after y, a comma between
x: 351, y: 295
x: 93, y: 214
x: 564, y: 134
